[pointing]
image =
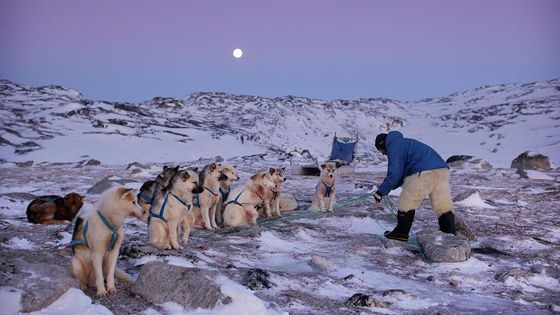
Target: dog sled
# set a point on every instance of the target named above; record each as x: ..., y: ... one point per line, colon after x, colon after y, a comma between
x: 343, y: 152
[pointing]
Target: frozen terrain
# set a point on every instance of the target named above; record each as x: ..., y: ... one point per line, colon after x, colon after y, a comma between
x: 315, y: 261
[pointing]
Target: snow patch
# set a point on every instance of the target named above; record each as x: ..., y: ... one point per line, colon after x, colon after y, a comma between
x: 532, y: 174
x: 10, y: 299
x: 73, y: 302
x: 474, y: 201
x: 19, y: 243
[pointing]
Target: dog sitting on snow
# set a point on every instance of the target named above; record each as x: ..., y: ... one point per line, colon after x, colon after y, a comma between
x: 225, y: 187
x: 169, y: 210
x: 203, y: 214
x: 153, y: 188
x: 97, y: 239
x: 240, y: 206
x: 271, y: 202
x: 54, y: 209
x: 325, y: 193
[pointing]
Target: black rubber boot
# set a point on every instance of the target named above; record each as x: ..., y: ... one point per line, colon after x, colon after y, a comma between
x: 404, y: 223
x: 447, y: 223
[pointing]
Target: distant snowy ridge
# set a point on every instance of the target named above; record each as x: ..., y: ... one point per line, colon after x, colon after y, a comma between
x: 57, y: 124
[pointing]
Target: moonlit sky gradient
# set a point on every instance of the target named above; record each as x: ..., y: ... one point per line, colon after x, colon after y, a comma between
x: 134, y: 50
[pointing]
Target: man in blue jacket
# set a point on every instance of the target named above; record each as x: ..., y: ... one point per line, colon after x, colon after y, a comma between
x: 421, y: 172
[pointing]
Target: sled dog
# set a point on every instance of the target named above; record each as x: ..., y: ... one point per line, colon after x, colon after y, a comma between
x: 97, y: 239
x: 203, y: 214
x: 168, y: 211
x: 271, y: 202
x: 225, y: 186
x: 325, y: 193
x: 240, y: 205
x: 153, y: 188
x: 54, y: 209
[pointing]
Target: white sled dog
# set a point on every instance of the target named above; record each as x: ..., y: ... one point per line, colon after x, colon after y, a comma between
x: 272, y: 197
x: 325, y: 193
x: 169, y: 210
x: 203, y: 214
x: 240, y: 206
x: 97, y: 239
x: 225, y: 187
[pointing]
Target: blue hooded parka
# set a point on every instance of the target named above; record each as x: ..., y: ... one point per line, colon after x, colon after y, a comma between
x: 407, y: 157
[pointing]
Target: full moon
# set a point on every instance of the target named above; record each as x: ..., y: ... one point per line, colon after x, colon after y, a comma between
x: 237, y: 53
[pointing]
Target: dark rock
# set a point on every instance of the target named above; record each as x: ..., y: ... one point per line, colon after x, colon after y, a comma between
x: 443, y: 247
x: 490, y: 251
x: 431, y: 278
x: 159, y: 282
x: 453, y: 283
x: 458, y: 160
x: 258, y: 279
x: 359, y: 299
x: 24, y: 164
x: 365, y: 300
x: 105, y: 184
x: 349, y: 277
x: 531, y: 161
x: 516, y: 273
x: 90, y: 162
x: 138, y: 165
x: 120, y: 122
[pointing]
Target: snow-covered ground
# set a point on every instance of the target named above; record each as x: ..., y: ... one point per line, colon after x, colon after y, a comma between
x: 514, y: 264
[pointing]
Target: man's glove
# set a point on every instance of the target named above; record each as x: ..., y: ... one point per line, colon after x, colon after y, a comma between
x: 377, y: 196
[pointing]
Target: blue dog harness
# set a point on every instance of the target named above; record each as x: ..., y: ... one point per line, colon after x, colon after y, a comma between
x: 328, y: 189
x: 225, y: 194
x: 235, y: 201
x: 84, y: 242
x: 196, y: 198
x: 162, y: 208
x: 145, y: 196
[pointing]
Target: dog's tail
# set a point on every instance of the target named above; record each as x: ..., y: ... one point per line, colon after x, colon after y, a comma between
x: 121, y: 275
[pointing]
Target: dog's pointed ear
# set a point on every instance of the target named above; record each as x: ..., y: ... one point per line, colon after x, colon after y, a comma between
x: 271, y: 171
x: 284, y: 168
x: 185, y: 176
x: 323, y: 165
x: 176, y: 168
x: 126, y: 193
x: 212, y: 167
x: 195, y: 169
x: 337, y: 164
x: 165, y: 167
x: 254, y: 177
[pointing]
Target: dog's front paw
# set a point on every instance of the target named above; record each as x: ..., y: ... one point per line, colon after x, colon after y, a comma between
x: 111, y: 290
x: 102, y: 293
x: 177, y: 246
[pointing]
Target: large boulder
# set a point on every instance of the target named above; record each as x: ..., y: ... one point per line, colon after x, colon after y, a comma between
x: 531, y: 161
x: 288, y: 202
x: 444, y: 247
x: 41, y: 283
x: 159, y: 282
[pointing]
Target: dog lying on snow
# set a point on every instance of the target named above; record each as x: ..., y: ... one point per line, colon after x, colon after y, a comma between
x: 97, y: 239
x: 54, y: 209
x: 325, y: 193
x: 271, y: 202
x: 225, y: 186
x: 169, y: 210
x: 240, y: 205
x: 153, y: 188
